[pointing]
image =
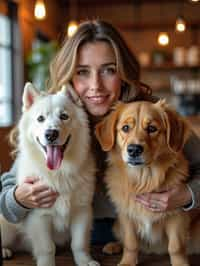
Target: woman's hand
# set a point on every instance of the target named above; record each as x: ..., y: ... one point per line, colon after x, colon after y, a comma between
x: 171, y: 199
x: 34, y: 194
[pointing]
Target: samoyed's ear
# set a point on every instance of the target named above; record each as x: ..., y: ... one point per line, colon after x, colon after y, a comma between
x: 29, y: 95
x: 69, y: 91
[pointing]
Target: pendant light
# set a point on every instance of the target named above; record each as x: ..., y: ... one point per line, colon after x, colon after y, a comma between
x: 73, y: 24
x: 163, y: 38
x: 40, y: 10
x: 180, y: 24
x: 72, y: 28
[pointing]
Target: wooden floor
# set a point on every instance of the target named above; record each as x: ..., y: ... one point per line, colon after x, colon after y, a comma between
x: 64, y: 258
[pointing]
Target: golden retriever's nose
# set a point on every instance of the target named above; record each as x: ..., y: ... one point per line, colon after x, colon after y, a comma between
x: 135, y: 150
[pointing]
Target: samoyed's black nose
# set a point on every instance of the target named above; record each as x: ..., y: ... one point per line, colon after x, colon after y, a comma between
x: 51, y: 135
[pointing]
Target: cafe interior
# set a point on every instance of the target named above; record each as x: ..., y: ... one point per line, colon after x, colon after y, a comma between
x: 163, y: 35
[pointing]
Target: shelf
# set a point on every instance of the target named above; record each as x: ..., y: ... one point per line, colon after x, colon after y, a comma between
x: 169, y: 67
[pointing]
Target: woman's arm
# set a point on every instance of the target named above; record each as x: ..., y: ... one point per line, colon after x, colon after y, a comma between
x: 192, y: 153
x: 17, y: 201
x: 9, y: 207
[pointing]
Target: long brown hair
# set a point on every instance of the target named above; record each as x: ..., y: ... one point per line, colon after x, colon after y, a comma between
x: 63, y: 65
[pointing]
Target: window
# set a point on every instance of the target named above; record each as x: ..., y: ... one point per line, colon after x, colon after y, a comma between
x: 11, y: 66
x: 5, y: 72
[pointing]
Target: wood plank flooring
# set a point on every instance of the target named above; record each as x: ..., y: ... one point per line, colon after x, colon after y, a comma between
x: 64, y: 258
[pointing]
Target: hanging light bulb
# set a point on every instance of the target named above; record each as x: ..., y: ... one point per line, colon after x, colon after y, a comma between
x: 40, y: 10
x: 180, y: 24
x: 72, y: 28
x: 163, y: 38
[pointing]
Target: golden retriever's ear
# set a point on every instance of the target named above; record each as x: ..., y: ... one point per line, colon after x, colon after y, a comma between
x: 105, y: 131
x: 177, y: 130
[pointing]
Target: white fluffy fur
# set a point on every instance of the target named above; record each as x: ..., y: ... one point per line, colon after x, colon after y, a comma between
x: 71, y: 215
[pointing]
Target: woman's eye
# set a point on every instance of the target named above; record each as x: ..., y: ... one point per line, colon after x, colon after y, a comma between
x: 64, y: 116
x: 108, y: 70
x: 82, y: 72
x: 151, y: 129
x: 126, y: 128
x: 41, y: 118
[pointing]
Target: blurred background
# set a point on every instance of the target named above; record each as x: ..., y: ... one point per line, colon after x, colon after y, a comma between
x: 164, y: 36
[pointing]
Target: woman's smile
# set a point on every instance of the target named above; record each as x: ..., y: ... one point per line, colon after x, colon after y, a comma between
x: 101, y: 99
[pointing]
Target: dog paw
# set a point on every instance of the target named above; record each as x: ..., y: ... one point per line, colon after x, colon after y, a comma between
x: 112, y: 248
x: 85, y: 260
x: 93, y: 263
x: 6, y: 253
x: 90, y: 263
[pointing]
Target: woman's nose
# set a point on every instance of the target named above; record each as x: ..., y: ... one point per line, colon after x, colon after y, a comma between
x: 95, y: 81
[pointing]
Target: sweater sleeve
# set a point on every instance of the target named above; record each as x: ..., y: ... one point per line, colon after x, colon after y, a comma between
x: 9, y: 207
x: 192, y: 153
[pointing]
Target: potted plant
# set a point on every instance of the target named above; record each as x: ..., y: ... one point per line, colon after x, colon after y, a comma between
x: 38, y: 63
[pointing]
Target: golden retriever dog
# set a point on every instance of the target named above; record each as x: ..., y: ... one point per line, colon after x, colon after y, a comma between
x: 145, y: 143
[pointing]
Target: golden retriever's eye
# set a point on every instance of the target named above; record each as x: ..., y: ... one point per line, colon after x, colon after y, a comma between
x: 40, y: 118
x: 126, y: 128
x: 151, y: 129
x: 64, y: 116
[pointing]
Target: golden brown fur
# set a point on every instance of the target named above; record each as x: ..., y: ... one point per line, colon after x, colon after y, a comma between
x: 145, y: 144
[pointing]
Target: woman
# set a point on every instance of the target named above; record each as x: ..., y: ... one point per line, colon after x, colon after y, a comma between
x: 102, y: 70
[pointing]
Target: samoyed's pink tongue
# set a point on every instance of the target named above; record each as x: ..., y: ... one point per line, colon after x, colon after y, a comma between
x: 54, y: 157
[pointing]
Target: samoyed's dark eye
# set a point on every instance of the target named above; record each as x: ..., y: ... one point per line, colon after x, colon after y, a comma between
x: 41, y: 118
x: 64, y: 116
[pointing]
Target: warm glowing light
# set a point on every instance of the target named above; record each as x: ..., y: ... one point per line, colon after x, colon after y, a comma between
x: 180, y: 24
x: 163, y: 38
x: 40, y: 10
x: 194, y: 0
x: 72, y: 28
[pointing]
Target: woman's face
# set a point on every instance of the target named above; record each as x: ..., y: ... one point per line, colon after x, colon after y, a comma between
x: 96, y: 79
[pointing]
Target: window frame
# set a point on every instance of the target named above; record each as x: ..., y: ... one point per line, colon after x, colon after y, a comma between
x: 16, y: 63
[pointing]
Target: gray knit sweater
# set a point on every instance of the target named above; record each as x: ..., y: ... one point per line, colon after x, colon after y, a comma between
x: 9, y: 207
x: 14, y: 212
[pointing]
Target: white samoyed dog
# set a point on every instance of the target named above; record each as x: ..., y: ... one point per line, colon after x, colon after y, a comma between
x: 54, y: 145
